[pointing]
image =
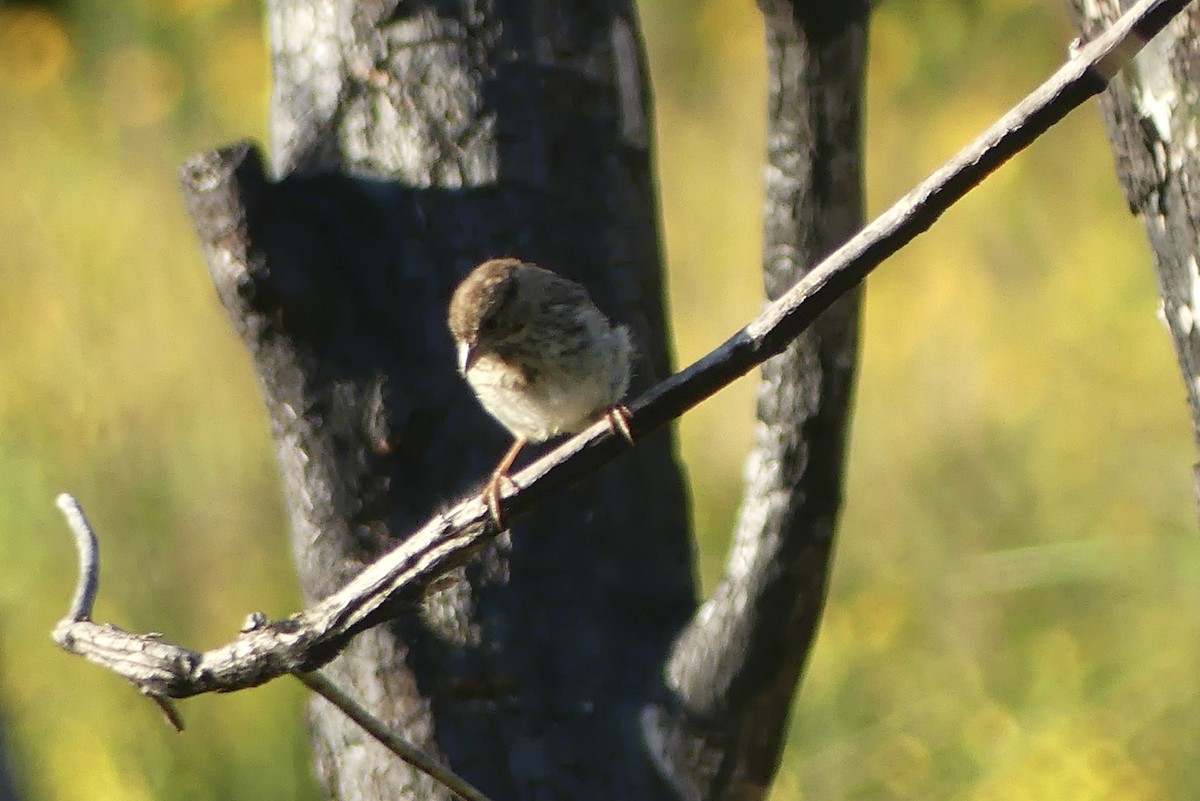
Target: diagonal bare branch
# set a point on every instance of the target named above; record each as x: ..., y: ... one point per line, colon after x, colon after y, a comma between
x: 397, y: 581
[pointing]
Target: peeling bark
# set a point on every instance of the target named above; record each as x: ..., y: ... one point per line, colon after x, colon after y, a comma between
x: 1152, y: 115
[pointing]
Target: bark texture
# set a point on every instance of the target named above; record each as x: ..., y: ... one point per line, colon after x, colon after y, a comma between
x: 737, y: 665
x: 1152, y: 114
x: 411, y: 141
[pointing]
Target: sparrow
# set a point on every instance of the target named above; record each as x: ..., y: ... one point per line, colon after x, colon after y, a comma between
x: 540, y: 356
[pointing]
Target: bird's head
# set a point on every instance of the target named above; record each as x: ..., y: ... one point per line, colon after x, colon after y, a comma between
x: 485, y: 310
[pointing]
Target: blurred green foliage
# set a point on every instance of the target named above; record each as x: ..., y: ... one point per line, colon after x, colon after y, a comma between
x: 1014, y: 600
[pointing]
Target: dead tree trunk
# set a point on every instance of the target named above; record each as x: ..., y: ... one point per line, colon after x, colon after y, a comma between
x: 411, y: 141
x: 736, y: 666
x: 1152, y: 113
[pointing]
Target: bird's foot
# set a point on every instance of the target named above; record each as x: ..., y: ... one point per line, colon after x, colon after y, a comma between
x: 620, y: 419
x: 492, y: 491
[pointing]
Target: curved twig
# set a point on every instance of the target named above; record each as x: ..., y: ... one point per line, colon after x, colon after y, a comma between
x: 309, y: 639
x: 80, y: 613
x: 89, y: 558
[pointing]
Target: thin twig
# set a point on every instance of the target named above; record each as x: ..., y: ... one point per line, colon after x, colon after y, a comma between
x: 397, y: 745
x: 86, y: 589
x: 400, y: 577
x: 89, y: 558
x: 170, y: 712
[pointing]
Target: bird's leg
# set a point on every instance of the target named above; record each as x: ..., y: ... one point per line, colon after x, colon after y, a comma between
x: 491, y: 492
x: 619, y: 418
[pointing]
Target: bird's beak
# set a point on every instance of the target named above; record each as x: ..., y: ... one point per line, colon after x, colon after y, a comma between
x: 467, y: 355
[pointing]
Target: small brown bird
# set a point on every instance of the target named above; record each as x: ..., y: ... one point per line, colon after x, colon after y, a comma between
x: 541, y: 358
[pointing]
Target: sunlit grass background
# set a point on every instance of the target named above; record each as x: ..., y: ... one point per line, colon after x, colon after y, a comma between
x: 1015, y: 599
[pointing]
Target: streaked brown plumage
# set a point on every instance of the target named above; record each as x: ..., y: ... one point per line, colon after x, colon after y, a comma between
x: 540, y: 356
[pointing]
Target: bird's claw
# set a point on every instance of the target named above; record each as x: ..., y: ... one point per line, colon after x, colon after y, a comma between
x: 620, y: 420
x: 491, y: 495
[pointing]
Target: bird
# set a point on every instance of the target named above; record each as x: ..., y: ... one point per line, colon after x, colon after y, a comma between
x: 541, y: 358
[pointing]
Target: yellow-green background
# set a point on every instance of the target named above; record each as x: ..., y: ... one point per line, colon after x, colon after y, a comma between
x: 1014, y: 605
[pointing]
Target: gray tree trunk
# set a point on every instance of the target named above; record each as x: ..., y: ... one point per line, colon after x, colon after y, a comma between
x: 569, y: 659
x: 1152, y: 114
x: 737, y: 664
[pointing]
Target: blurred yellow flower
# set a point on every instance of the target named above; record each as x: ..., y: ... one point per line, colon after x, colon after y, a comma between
x: 990, y: 731
x: 902, y: 763
x: 880, y: 615
x: 34, y: 48
x: 140, y: 87
x: 1065, y: 762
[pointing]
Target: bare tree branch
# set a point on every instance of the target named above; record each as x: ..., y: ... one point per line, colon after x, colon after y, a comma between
x: 734, y: 669
x: 89, y: 559
x: 398, y: 580
x: 397, y: 745
x: 301, y: 643
x: 85, y: 598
